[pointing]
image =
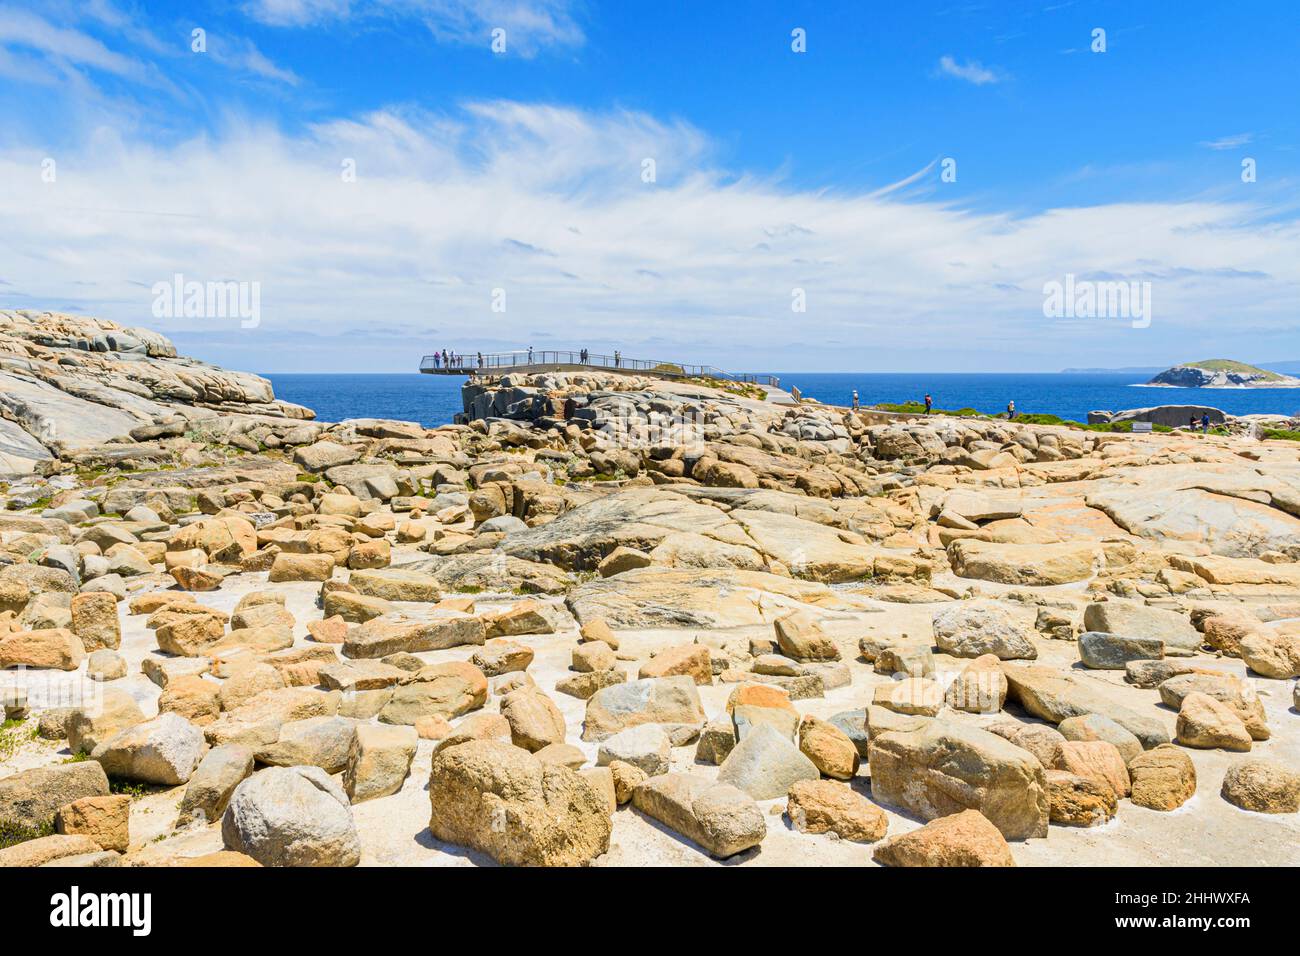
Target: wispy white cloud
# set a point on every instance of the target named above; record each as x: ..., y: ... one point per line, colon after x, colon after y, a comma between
x: 238, y: 53
x: 530, y: 25
x: 972, y: 71
x: 26, y: 30
x: 550, y: 205
x: 61, y: 41
x: 1230, y: 142
x: 297, y: 13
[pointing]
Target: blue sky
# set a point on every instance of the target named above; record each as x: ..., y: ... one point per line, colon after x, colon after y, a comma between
x: 776, y: 171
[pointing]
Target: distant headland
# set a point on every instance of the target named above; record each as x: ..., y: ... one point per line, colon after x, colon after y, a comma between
x: 1222, y: 373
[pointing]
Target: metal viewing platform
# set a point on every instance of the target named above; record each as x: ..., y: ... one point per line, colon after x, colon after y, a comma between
x: 500, y: 363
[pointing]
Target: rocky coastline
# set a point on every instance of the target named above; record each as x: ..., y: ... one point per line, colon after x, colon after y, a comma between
x: 613, y: 620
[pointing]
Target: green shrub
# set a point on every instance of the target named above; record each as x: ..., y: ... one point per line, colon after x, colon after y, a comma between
x: 12, y: 832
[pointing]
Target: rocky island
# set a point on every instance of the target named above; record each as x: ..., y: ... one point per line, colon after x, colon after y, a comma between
x: 614, y: 620
x: 1222, y: 373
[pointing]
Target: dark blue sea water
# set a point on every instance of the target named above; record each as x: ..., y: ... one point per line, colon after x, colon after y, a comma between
x: 433, y: 399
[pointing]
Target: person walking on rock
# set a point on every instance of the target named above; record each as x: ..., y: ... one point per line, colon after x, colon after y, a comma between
x: 1011, y: 409
x: 855, y: 399
x: 929, y: 403
x: 1205, y: 423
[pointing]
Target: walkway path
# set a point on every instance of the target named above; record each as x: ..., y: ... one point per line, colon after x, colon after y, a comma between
x: 497, y: 363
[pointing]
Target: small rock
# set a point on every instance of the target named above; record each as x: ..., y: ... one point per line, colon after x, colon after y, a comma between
x: 801, y: 638
x: 829, y: 748
x: 1078, y: 800
x: 690, y: 660
x: 104, y: 819
x: 379, y: 760
x: 822, y: 806
x: 1164, y: 778
x: 1264, y: 786
x: 105, y: 665
x: 960, y: 839
x: 645, y: 747
x: 1204, y: 722
x: 1102, y: 651
x: 1098, y: 727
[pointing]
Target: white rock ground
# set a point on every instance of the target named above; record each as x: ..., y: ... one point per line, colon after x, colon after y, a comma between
x: 1206, y: 831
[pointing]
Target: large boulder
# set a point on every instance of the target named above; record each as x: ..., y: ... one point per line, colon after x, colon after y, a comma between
x: 644, y: 746
x: 946, y: 768
x: 964, y: 630
x: 30, y: 798
x: 447, y: 690
x: 1133, y: 620
x: 316, y: 741
x: 105, y: 819
x: 53, y: 648
x: 213, y: 782
x: 671, y: 701
x: 397, y: 584
x: 379, y: 760
x: 801, y: 638
x: 321, y: 455
x: 1234, y: 511
x: 830, y: 749
x: 1272, y: 655
x: 164, y: 751
x: 501, y: 800
x: 535, y: 721
x: 1053, y: 695
x: 765, y: 764
x: 292, y: 816
x: 91, y: 725
x: 722, y: 819
x: 393, y: 633
x: 224, y: 539
x: 94, y: 620
x: 1035, y: 565
x: 1205, y: 723
x: 1237, y: 695
x: 1079, y: 800
x: 47, y: 849
x: 1101, y: 651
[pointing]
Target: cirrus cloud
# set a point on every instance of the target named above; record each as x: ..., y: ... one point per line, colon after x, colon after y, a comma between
x: 549, y: 204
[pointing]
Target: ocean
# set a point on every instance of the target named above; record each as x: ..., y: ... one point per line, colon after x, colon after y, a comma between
x: 432, y: 400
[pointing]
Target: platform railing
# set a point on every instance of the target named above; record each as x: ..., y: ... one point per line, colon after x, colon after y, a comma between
x: 498, y: 362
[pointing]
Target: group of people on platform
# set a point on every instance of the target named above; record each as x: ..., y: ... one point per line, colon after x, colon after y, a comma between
x: 449, y: 360
x: 444, y: 359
